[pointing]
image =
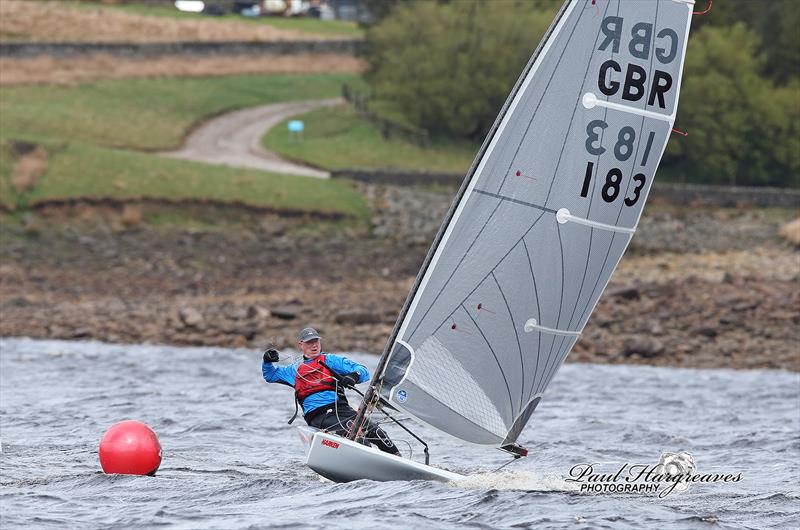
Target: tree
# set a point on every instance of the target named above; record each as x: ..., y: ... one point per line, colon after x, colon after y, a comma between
x: 776, y: 23
x: 742, y: 129
x: 449, y: 67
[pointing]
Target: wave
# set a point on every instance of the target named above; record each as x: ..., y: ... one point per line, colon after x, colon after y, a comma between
x: 517, y: 480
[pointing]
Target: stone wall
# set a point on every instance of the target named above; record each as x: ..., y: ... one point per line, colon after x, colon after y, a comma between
x: 680, y: 194
x: 149, y: 49
x: 398, y: 177
x: 726, y: 196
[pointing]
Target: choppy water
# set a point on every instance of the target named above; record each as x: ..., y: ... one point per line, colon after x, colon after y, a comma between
x: 231, y: 461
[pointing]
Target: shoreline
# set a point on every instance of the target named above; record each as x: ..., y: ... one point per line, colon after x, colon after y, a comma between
x: 295, y: 353
x: 696, y: 289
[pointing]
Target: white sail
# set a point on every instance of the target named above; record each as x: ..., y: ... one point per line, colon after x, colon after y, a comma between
x: 541, y: 221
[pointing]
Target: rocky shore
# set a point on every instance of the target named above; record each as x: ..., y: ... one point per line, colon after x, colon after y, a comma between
x: 697, y: 288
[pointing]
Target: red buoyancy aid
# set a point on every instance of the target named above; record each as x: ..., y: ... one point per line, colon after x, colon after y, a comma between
x: 312, y: 377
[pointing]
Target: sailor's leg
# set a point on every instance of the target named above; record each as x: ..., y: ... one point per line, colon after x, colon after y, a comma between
x: 330, y: 422
x: 379, y: 437
x: 338, y: 419
x: 372, y: 433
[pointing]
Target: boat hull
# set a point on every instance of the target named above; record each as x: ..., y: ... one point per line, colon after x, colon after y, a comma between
x: 342, y: 460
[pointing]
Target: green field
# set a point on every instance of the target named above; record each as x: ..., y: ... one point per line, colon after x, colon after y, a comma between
x: 337, y: 138
x: 306, y: 25
x: 147, y: 113
x: 95, y: 134
x: 74, y: 171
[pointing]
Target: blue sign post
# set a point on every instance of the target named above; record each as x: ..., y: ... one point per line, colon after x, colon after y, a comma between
x: 296, y: 128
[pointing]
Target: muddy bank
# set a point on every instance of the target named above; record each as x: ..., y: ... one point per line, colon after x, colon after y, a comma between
x: 703, y: 289
x: 83, y: 69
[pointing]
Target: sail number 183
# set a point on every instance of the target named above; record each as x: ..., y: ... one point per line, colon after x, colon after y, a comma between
x: 610, y: 190
x: 623, y: 149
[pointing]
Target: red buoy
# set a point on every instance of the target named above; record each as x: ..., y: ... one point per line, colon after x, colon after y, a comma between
x: 130, y: 448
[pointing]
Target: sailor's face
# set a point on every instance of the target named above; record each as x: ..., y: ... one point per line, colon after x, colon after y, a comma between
x: 310, y: 348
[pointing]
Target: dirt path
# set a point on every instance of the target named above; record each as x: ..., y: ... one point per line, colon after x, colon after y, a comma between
x: 234, y: 139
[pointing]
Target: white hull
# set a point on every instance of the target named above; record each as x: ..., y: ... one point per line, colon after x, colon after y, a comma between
x: 343, y: 460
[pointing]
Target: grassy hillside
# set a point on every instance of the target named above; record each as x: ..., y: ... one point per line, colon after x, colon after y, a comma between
x: 336, y: 137
x: 87, y: 141
x: 81, y: 170
x: 147, y: 113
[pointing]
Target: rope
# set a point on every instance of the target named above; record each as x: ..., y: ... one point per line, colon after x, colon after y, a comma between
x: 708, y: 8
x: 504, y: 465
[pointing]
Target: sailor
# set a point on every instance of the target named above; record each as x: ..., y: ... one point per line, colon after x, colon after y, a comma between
x: 319, y: 381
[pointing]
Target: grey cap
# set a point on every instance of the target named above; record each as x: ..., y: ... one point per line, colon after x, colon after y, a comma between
x: 308, y: 334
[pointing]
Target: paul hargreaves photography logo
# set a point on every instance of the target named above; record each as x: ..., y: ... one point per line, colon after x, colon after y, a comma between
x: 674, y: 472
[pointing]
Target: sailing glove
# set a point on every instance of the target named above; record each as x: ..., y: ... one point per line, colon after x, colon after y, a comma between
x: 351, y: 379
x: 271, y: 356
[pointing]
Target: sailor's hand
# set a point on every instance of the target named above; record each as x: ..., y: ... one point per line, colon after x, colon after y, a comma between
x: 351, y: 379
x: 271, y: 356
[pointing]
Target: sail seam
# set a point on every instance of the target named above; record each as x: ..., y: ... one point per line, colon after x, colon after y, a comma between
x: 561, y: 298
x: 515, y: 201
x: 538, y: 314
x: 560, y: 306
x: 596, y: 283
x: 499, y: 365
x: 583, y: 278
x: 516, y: 335
x: 561, y: 356
x: 490, y: 271
x: 453, y: 273
x: 543, y: 382
x: 547, y: 364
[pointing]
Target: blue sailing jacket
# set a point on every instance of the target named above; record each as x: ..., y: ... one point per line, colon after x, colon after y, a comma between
x: 288, y: 374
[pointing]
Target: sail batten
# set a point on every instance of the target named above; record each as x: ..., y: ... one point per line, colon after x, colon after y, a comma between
x: 541, y: 222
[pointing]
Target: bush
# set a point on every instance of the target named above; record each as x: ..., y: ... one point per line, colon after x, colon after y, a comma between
x: 742, y: 129
x: 449, y: 67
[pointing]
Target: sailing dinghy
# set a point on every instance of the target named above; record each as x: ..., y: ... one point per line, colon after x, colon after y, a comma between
x: 537, y: 228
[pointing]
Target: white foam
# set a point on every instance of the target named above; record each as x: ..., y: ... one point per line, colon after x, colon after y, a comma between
x: 517, y: 480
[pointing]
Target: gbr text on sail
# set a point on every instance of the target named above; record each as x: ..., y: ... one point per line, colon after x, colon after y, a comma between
x: 640, y: 45
x: 642, y: 42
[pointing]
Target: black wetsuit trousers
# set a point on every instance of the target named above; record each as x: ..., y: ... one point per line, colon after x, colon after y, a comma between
x: 337, y: 418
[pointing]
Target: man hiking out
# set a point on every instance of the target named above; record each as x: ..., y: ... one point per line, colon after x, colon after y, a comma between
x: 319, y: 381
